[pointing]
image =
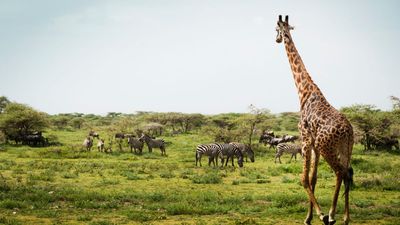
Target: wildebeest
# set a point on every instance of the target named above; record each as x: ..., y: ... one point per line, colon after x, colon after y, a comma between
x: 34, y: 140
x: 384, y: 143
x: 120, y: 135
x: 88, y: 143
x: 94, y: 134
x: 289, y: 138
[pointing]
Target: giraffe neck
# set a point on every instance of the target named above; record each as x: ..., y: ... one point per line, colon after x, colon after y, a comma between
x: 304, y: 84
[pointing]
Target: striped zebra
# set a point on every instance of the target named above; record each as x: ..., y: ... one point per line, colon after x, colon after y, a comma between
x: 211, y: 150
x: 135, y: 143
x: 228, y: 151
x: 287, y: 148
x: 245, y: 149
x: 153, y: 143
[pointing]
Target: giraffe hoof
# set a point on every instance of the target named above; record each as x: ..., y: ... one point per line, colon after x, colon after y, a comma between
x: 325, y: 219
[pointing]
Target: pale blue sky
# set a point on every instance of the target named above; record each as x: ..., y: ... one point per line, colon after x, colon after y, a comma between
x: 194, y: 56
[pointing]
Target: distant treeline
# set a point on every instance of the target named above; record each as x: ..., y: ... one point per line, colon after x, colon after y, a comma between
x: 371, y: 125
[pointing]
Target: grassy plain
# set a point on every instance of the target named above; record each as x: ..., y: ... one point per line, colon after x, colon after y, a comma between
x: 65, y: 185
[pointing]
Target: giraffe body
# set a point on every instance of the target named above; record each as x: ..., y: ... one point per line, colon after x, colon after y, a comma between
x: 324, y: 131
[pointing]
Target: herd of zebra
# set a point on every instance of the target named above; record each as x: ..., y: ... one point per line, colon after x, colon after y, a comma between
x: 224, y: 152
x: 228, y: 151
x: 136, y: 144
x: 215, y: 151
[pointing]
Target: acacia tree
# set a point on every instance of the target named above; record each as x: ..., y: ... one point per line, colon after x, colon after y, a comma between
x: 249, y: 121
x: 19, y: 119
x: 372, y: 122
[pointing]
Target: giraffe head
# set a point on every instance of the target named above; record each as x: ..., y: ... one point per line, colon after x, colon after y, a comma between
x: 283, y: 28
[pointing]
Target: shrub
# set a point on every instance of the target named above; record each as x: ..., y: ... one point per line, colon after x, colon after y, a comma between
x: 208, y: 178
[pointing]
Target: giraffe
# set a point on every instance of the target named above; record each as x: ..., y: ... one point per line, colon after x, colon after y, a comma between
x: 324, y: 131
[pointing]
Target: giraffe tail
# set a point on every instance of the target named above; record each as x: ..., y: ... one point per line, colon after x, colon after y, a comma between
x: 348, y: 180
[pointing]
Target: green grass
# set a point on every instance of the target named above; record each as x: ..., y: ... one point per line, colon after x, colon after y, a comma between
x: 66, y: 185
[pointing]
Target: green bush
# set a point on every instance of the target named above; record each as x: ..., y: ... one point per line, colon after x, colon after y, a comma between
x: 208, y: 178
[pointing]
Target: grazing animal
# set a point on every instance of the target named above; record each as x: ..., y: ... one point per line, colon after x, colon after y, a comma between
x: 287, y: 148
x: 100, y: 145
x: 289, y: 138
x: 120, y: 135
x: 34, y: 139
x: 324, y: 131
x: 271, y: 139
x: 245, y: 149
x: 228, y: 151
x: 94, y: 134
x: 136, y: 143
x: 88, y: 143
x: 265, y: 137
x: 273, y: 142
x: 129, y: 135
x: 383, y: 143
x: 153, y: 143
x: 211, y: 150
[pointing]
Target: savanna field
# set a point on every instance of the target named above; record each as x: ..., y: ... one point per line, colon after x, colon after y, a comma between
x: 64, y: 184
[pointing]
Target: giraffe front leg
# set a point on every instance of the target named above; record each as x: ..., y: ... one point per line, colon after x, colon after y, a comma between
x: 310, y: 165
x: 313, y: 181
x: 305, y: 180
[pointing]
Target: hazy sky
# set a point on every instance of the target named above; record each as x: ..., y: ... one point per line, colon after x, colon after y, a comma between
x: 194, y: 56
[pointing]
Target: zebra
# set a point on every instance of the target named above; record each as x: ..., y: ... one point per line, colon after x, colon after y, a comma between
x: 211, y: 150
x: 136, y: 143
x: 287, y: 148
x: 229, y: 151
x: 245, y: 149
x: 100, y: 145
x: 152, y: 143
x: 88, y: 143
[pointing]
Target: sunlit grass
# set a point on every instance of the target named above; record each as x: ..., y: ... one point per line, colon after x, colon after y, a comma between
x: 64, y: 184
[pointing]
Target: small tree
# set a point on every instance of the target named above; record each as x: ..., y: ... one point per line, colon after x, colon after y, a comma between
x: 18, y: 120
x: 396, y: 102
x: 251, y: 120
x: 77, y: 122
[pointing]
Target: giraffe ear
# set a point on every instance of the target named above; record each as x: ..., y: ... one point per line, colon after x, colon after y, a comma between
x: 287, y: 19
x: 280, y: 18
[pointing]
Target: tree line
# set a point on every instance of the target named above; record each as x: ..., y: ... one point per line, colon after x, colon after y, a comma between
x: 370, y: 123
